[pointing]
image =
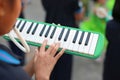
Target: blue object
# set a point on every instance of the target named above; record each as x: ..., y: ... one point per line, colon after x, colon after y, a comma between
x: 6, y: 57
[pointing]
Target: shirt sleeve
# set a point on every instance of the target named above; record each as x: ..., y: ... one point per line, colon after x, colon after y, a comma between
x: 7, y: 56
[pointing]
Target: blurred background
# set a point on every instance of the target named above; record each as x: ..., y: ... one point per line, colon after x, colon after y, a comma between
x: 83, y: 68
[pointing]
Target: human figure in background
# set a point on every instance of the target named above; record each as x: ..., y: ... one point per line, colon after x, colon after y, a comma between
x: 66, y: 13
x: 97, y: 21
x: 13, y: 47
x: 112, y: 58
x: 24, y: 2
x: 29, y: 1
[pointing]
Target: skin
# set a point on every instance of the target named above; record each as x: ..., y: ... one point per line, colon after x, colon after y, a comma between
x: 8, y: 15
x: 101, y: 1
x: 45, y: 59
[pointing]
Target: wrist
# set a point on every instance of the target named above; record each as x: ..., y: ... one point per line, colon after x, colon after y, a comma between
x: 40, y: 77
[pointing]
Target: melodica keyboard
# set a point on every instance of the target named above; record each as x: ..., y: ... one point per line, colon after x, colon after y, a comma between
x: 75, y: 41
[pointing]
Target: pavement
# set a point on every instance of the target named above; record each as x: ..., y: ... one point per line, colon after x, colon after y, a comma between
x: 83, y: 68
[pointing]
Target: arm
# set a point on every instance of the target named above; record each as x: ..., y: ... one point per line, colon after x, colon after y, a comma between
x: 29, y: 68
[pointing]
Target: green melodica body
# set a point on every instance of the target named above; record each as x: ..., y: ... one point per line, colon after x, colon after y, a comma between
x: 34, y: 26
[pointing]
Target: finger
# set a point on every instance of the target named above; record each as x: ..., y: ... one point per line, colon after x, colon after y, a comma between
x: 36, y: 54
x: 50, y: 49
x: 59, y: 54
x: 55, y: 49
x: 43, y: 46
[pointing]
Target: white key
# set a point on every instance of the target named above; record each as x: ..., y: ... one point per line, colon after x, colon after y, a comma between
x: 50, y: 41
x: 93, y: 45
x: 43, y: 35
x: 24, y: 32
x: 21, y: 25
x: 62, y: 39
x: 70, y: 46
x: 57, y: 33
x: 17, y: 22
x: 39, y: 29
x: 32, y: 28
x: 87, y: 47
x: 27, y: 25
x: 76, y: 44
x: 36, y: 36
x: 66, y: 44
x: 81, y: 47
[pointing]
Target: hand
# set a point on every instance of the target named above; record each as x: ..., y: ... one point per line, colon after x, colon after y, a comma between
x: 45, y: 60
x: 101, y: 12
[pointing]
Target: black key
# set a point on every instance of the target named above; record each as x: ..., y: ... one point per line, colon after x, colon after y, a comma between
x: 19, y: 24
x: 21, y: 29
x: 67, y: 34
x: 33, y: 32
x: 52, y: 34
x: 76, y: 35
x: 28, y: 31
x: 60, y: 37
x: 87, y: 39
x: 81, y: 38
x: 46, y: 34
x: 41, y: 33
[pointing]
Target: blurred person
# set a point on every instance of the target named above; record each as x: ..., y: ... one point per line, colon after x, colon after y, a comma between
x: 29, y: 1
x: 23, y: 3
x: 43, y: 62
x: 97, y: 21
x: 66, y: 13
x: 111, y: 63
x: 13, y: 47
